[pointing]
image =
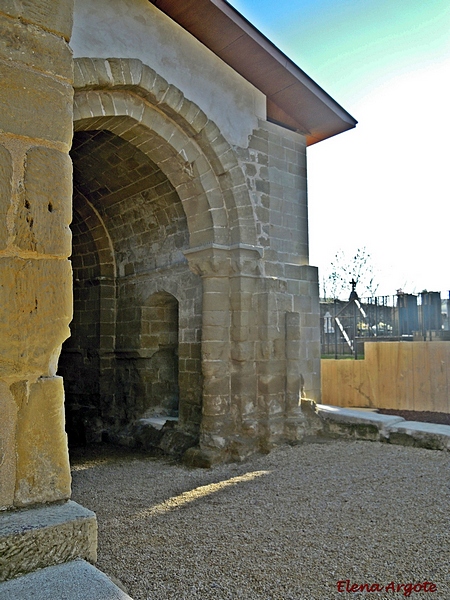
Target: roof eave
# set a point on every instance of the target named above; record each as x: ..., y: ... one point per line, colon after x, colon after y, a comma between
x: 293, y: 98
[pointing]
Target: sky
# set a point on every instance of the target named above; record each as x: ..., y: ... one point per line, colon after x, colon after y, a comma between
x: 384, y: 185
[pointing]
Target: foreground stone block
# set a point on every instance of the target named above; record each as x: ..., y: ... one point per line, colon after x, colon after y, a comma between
x: 35, y: 309
x: 43, y: 470
x: 25, y: 93
x: 52, y: 15
x: 42, y: 223
x: 40, y: 537
x: 6, y: 173
x: 14, y: 35
x: 8, y: 424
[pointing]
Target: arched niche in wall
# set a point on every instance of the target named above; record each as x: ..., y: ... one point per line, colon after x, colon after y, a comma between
x: 157, y: 368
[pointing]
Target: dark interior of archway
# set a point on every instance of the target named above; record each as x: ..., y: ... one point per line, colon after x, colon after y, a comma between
x: 79, y: 363
x: 127, y: 220
x: 105, y: 164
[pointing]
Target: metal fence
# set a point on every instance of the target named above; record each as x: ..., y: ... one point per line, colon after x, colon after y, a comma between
x: 345, y: 326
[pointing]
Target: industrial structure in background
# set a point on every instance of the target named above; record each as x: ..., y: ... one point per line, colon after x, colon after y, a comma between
x: 347, y: 325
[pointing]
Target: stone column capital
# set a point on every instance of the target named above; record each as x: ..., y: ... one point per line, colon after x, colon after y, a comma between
x: 223, y: 261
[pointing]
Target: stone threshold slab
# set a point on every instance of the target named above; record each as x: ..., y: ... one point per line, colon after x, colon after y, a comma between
x: 338, y: 414
x: 47, y: 535
x: 364, y: 424
x: 75, y: 580
x: 424, y: 435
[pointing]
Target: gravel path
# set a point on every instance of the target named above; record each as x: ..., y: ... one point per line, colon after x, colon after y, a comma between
x: 286, y: 526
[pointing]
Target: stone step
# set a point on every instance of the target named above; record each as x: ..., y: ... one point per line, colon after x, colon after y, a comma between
x: 157, y: 422
x: 36, y: 538
x: 75, y: 580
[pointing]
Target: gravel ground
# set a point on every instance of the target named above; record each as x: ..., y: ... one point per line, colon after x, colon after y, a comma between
x: 285, y: 526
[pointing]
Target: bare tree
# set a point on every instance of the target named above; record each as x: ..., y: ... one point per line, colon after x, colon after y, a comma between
x: 344, y: 269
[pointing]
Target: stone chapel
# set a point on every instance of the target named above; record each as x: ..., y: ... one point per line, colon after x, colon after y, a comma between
x: 155, y: 286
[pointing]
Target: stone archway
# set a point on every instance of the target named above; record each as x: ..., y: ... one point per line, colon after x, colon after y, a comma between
x: 131, y: 100
x: 237, y: 391
x: 129, y: 103
x: 129, y: 231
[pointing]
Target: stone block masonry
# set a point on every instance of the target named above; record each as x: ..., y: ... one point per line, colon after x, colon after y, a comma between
x: 35, y: 204
x: 42, y: 536
x: 36, y: 107
x: 42, y: 467
x: 238, y: 215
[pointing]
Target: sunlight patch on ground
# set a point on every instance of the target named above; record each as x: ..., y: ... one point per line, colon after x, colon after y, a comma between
x: 176, y: 502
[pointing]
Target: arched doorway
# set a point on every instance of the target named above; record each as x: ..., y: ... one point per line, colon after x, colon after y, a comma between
x: 204, y: 178
x: 127, y: 357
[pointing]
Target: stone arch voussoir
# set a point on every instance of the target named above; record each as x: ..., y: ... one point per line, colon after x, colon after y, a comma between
x: 131, y: 100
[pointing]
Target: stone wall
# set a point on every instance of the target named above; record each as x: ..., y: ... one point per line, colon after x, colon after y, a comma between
x: 274, y: 163
x: 135, y: 29
x: 35, y: 295
x: 224, y: 231
x: 275, y: 168
x: 36, y: 100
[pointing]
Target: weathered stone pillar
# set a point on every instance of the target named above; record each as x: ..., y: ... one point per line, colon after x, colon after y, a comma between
x: 35, y: 241
x: 271, y: 365
x: 36, y: 299
x: 228, y: 352
x: 252, y: 357
x: 305, y: 347
x: 213, y: 264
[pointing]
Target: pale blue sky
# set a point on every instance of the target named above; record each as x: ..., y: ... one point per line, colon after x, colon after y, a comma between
x: 384, y: 185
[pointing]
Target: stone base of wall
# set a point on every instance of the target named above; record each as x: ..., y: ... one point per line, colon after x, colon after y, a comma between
x: 148, y: 434
x: 36, y: 538
x: 291, y: 430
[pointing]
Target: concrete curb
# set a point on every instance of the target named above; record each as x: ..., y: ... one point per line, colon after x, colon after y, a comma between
x: 75, y: 580
x: 368, y: 425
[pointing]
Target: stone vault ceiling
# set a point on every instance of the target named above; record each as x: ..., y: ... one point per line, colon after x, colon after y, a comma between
x: 108, y: 167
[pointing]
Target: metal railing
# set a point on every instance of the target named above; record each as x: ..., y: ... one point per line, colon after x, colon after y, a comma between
x: 345, y: 326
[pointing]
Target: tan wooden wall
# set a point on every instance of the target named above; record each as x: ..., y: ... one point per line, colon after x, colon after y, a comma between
x: 396, y: 375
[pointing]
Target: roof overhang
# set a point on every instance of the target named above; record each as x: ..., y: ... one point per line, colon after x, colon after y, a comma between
x: 294, y: 100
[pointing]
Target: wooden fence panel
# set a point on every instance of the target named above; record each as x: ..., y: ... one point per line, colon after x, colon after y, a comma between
x: 395, y: 375
x: 439, y: 358
x: 386, y: 374
x: 405, y: 380
x: 345, y: 383
x: 422, y: 376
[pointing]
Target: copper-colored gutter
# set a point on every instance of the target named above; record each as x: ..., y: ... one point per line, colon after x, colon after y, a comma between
x: 293, y: 98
